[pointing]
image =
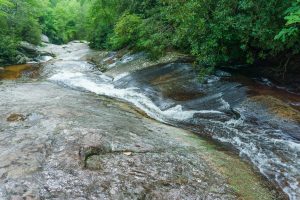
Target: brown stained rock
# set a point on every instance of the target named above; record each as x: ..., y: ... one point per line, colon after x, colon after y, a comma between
x: 279, y: 108
x: 16, y: 117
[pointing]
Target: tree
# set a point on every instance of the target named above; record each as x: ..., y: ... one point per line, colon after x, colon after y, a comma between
x: 290, y: 34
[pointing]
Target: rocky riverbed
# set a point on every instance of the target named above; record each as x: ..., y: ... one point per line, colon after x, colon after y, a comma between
x: 62, y: 141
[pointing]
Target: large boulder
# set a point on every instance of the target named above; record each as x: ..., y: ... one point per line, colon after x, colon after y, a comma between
x: 45, y: 39
x: 28, y: 49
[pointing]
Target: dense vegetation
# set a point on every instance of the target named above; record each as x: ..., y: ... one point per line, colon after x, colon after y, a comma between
x: 26, y: 20
x: 217, y: 33
x: 18, y: 21
x: 65, y: 20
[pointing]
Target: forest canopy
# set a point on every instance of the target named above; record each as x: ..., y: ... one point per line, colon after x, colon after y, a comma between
x: 215, y: 32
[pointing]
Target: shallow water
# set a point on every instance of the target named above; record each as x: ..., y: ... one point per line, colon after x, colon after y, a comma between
x: 255, y: 118
x: 14, y: 72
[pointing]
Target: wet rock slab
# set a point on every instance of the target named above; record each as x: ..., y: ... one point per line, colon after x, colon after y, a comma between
x: 78, y: 146
x: 74, y: 145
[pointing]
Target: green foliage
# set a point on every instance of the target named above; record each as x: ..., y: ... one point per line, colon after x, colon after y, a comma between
x: 4, y: 4
x: 102, y: 16
x: 18, y: 21
x: 154, y: 37
x: 68, y: 17
x: 203, y: 71
x: 25, y: 20
x: 21, y: 19
x: 215, y: 32
x: 293, y: 14
x: 126, y: 31
x: 286, y: 33
x: 226, y: 31
x: 65, y: 20
x: 32, y: 33
x: 8, y: 48
x: 290, y: 34
x: 116, y: 24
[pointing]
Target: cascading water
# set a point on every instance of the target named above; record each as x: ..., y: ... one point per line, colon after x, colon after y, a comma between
x: 221, y: 108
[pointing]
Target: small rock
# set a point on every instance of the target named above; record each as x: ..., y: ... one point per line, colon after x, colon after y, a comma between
x: 127, y: 153
x: 211, y: 79
x: 16, y: 117
x: 102, y: 68
x: 220, y: 73
x: 30, y: 48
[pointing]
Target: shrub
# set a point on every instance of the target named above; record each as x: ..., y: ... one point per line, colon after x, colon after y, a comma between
x: 154, y: 37
x: 30, y: 31
x: 126, y: 31
x: 8, y: 48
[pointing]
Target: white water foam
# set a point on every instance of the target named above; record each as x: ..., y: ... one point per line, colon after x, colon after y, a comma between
x: 225, y: 104
x: 264, y: 152
x: 80, y: 80
x: 42, y: 59
x: 122, y: 75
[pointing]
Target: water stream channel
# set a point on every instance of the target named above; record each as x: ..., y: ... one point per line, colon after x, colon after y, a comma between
x: 250, y: 115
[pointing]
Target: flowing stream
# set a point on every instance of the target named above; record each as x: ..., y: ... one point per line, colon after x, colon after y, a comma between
x: 251, y: 116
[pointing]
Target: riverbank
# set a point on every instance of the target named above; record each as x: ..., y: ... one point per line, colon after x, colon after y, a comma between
x: 26, y: 53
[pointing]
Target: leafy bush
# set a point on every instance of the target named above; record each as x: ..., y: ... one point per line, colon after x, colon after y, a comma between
x: 126, y: 31
x: 8, y: 48
x: 217, y: 33
x: 102, y: 16
x: 222, y: 32
x: 154, y: 37
x: 290, y: 34
x: 30, y: 31
x: 65, y: 21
